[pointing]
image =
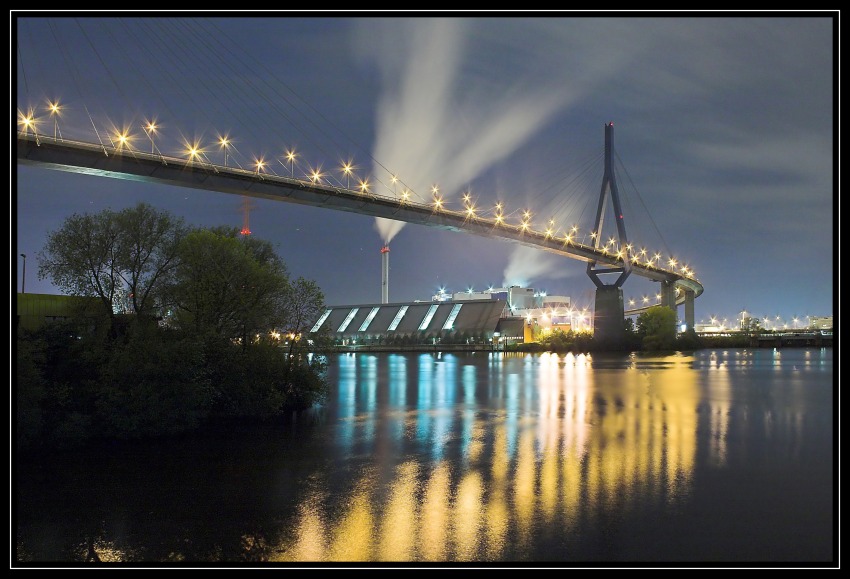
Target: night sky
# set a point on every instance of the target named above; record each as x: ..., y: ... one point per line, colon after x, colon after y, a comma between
x: 724, y: 129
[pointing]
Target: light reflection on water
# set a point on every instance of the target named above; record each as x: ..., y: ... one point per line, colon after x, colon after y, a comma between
x: 500, y: 457
x: 555, y: 439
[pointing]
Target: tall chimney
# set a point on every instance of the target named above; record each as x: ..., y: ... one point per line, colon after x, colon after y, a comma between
x: 385, y: 274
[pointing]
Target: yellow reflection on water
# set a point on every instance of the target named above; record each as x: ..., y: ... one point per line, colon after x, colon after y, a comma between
x: 467, y: 517
x: 398, y: 528
x: 352, y: 538
x: 435, y: 515
x: 310, y: 535
x: 523, y: 487
x: 573, y: 445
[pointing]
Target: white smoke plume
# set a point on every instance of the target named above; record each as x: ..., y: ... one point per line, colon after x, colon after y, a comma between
x: 527, y: 265
x: 387, y: 228
x: 448, y: 110
x: 442, y: 119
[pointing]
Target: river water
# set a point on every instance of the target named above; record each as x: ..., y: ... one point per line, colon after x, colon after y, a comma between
x: 720, y: 457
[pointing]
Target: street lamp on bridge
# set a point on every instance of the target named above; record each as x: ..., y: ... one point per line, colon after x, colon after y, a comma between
x: 224, y: 142
x: 150, y: 129
x: 290, y: 156
x: 54, y: 112
x: 346, y: 169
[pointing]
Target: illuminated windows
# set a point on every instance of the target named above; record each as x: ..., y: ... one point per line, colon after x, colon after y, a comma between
x: 348, y: 319
x: 452, y: 315
x: 401, y: 311
x: 427, y: 319
x: 321, y: 321
x: 368, y: 319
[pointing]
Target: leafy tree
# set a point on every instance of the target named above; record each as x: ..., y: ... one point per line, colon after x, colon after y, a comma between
x: 657, y: 327
x: 77, y: 382
x: 229, y: 286
x: 81, y: 257
x: 148, y: 241
x: 111, y: 254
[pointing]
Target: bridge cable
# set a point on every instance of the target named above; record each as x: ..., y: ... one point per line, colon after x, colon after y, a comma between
x: 352, y: 141
x: 663, y: 242
x: 74, y: 78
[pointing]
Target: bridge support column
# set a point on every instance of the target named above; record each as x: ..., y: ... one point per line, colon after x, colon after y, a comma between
x: 668, y: 299
x: 689, y: 310
x: 608, y: 317
x: 668, y: 295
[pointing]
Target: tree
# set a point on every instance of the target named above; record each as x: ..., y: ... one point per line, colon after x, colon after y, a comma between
x: 657, y: 328
x: 148, y: 241
x: 229, y: 286
x: 110, y: 255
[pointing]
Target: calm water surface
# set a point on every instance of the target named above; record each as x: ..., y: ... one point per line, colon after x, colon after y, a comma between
x: 721, y: 456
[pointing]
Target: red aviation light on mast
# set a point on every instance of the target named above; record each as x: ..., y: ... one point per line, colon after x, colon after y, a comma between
x: 385, y: 249
x: 246, y: 211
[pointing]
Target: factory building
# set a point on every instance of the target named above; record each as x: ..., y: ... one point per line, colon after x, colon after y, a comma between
x: 466, y: 321
x: 496, y: 316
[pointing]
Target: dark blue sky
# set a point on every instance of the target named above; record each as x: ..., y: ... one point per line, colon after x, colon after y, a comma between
x: 724, y: 138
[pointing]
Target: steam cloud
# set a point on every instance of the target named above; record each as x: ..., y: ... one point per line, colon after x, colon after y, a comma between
x: 449, y: 110
x: 527, y: 264
x: 443, y: 117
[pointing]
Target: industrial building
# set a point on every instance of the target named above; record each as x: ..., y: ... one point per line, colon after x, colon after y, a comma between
x: 497, y: 316
x: 36, y: 310
x: 476, y: 321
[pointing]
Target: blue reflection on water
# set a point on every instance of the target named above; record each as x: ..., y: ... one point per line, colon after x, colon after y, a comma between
x: 717, y: 455
x: 346, y: 399
x: 469, y: 385
x: 367, y: 418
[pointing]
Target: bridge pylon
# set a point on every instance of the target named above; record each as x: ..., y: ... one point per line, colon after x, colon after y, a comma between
x: 609, y: 311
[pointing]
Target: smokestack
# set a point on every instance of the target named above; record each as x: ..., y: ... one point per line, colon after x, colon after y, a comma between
x: 385, y: 274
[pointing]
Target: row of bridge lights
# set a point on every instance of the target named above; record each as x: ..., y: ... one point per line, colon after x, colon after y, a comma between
x: 195, y: 152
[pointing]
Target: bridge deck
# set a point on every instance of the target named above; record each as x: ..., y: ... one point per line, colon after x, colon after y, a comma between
x: 105, y: 161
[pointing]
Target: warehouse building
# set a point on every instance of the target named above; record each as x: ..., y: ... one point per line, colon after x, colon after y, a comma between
x: 469, y: 321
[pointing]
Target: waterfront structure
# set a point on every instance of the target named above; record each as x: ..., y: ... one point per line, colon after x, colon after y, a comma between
x: 821, y: 322
x: 470, y: 321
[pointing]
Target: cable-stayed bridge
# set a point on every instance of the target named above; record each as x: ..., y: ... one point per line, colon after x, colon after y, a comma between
x: 117, y: 159
x: 198, y: 69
